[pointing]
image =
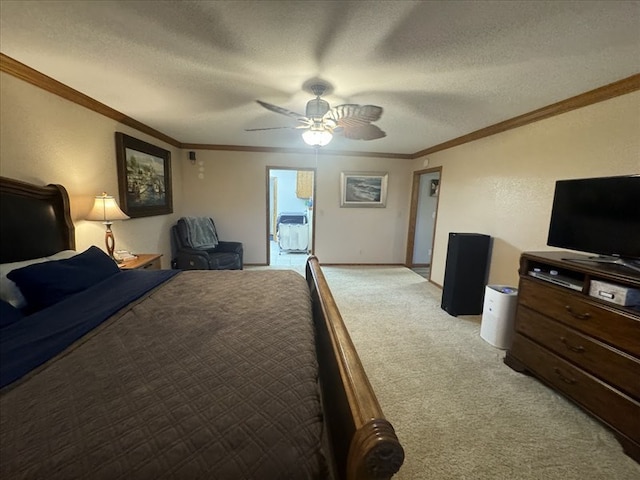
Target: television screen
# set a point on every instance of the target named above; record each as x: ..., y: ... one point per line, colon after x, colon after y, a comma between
x: 597, y: 215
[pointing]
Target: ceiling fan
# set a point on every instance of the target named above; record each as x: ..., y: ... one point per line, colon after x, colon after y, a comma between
x: 321, y: 122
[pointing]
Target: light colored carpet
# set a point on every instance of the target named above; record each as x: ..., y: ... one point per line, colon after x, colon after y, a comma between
x: 458, y: 410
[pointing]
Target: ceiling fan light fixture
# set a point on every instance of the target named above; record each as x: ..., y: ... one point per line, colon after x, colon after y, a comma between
x: 321, y: 122
x: 317, y: 137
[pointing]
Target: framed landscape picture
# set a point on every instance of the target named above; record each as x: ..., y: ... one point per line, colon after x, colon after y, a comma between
x: 363, y: 189
x: 144, y: 177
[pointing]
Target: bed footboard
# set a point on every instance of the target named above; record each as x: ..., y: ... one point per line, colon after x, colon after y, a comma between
x: 363, y: 443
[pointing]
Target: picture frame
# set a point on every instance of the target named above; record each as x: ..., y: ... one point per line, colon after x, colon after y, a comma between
x: 434, y: 188
x: 363, y: 189
x: 144, y: 177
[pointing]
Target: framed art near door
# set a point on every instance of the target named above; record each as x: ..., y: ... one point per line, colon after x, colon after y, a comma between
x: 434, y: 187
x: 363, y: 189
x: 144, y: 177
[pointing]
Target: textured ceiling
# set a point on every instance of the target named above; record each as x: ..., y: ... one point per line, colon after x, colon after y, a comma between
x: 440, y: 70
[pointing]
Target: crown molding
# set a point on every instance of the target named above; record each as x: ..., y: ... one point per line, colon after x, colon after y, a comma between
x: 28, y: 74
x: 297, y: 151
x: 612, y: 90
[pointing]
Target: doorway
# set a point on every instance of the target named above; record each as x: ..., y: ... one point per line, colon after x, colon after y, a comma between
x: 290, y: 220
x: 423, y: 214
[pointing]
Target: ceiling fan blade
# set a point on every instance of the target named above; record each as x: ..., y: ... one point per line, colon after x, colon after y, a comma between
x: 283, y: 111
x: 299, y: 127
x: 349, y: 120
x: 361, y: 132
x: 267, y: 128
x: 352, y: 114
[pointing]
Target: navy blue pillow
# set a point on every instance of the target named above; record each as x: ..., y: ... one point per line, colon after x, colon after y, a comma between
x: 8, y: 314
x: 44, y: 284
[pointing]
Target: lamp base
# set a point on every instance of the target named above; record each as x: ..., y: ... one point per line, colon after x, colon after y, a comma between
x: 110, y: 241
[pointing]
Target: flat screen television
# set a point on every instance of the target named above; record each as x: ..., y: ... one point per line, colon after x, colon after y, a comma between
x: 598, y: 215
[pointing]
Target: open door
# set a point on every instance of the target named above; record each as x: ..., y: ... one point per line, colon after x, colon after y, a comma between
x: 290, y: 219
x: 422, y: 220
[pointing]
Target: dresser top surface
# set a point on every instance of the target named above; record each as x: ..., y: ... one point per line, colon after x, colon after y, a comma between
x: 585, y: 264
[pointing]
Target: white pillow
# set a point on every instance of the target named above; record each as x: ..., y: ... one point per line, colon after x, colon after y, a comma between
x: 9, y: 291
x: 63, y: 255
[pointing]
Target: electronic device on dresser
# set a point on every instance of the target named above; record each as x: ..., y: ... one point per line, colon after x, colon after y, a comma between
x: 598, y: 215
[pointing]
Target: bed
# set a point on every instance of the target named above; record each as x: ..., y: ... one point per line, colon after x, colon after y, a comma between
x: 168, y: 374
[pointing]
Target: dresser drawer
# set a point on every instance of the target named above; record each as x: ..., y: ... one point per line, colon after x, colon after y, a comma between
x: 615, y: 327
x: 617, y: 368
x: 152, y: 265
x: 614, y: 408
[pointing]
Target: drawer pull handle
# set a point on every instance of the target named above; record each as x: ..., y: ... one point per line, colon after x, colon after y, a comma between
x: 570, y: 381
x: 579, y: 316
x: 578, y: 349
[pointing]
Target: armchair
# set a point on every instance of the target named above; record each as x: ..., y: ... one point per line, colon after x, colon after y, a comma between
x: 187, y: 255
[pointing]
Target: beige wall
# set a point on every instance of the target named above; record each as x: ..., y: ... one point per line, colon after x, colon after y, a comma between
x: 503, y: 185
x: 46, y: 139
x: 234, y: 192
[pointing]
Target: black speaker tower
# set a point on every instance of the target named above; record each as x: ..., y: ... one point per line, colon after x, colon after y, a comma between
x: 465, y: 274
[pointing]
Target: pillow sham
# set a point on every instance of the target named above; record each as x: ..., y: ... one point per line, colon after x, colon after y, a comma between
x: 9, y: 291
x: 45, y: 284
x: 8, y: 314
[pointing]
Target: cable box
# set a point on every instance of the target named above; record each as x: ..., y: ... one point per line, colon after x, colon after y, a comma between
x: 561, y: 280
x: 618, y: 294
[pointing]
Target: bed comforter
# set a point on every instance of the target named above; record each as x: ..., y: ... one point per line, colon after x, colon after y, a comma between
x: 211, y: 375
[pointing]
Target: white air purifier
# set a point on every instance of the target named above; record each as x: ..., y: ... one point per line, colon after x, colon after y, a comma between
x: 498, y: 315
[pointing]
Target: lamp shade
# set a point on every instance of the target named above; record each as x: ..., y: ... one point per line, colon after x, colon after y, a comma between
x: 105, y: 209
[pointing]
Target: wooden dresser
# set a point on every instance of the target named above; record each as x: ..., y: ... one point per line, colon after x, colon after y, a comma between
x: 586, y: 348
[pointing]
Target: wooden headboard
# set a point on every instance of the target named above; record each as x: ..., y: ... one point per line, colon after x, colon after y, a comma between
x: 35, y: 221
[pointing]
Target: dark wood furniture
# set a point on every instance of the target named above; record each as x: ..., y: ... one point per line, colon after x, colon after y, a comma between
x: 585, y: 348
x: 362, y: 443
x: 144, y: 261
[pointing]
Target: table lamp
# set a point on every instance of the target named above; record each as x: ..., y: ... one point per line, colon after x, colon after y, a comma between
x: 106, y: 210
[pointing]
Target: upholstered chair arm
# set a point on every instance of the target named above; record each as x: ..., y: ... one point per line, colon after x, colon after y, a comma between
x: 229, y: 247
x: 232, y: 247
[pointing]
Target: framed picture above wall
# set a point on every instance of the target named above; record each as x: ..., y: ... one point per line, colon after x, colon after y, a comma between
x: 144, y: 177
x: 363, y: 189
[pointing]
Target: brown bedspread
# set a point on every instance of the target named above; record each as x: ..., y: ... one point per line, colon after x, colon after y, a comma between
x: 213, y: 375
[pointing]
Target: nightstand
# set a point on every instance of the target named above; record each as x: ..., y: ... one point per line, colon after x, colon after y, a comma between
x: 145, y: 261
